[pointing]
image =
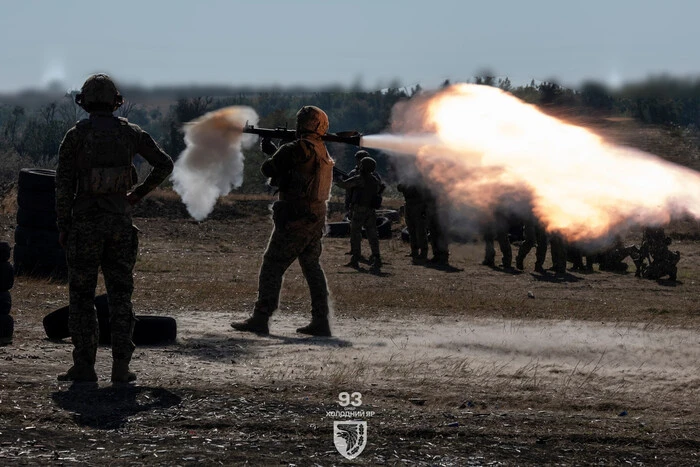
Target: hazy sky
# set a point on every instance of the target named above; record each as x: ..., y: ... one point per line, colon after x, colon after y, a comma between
x: 370, y: 42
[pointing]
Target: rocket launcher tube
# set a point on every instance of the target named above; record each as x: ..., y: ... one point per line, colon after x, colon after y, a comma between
x: 347, y: 137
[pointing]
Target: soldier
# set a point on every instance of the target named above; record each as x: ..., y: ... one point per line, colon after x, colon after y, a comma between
x: 557, y: 246
x: 498, y: 231
x: 416, y: 217
x: 359, y: 155
x: 534, y: 235
x: 439, y: 241
x: 303, y: 172
x: 94, y: 199
x: 654, y: 251
x: 366, y: 188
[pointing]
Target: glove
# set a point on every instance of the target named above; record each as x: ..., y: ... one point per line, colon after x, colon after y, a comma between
x: 267, y: 146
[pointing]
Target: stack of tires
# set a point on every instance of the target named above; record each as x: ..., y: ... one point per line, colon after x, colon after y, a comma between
x: 37, y: 251
x: 7, y: 280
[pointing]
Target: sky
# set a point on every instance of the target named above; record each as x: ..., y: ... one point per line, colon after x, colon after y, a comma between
x: 370, y: 43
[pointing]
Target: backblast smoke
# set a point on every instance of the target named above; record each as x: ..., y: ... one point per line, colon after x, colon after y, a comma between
x: 212, y: 162
x: 484, y: 151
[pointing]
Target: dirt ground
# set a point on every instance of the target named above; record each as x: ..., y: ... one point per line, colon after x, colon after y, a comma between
x: 473, y: 367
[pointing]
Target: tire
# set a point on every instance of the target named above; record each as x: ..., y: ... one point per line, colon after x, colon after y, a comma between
x: 5, y: 303
x: 383, y: 228
x: 7, y: 276
x: 5, y: 251
x: 392, y: 214
x: 56, y: 322
x: 37, y: 180
x: 338, y: 229
x: 40, y: 262
x: 154, y: 330
x: 36, y: 238
x: 37, y: 219
x: 36, y: 200
x: 7, y: 329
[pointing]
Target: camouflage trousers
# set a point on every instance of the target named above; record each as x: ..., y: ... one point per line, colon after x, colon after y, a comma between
x: 417, y: 228
x: 501, y: 236
x: 363, y: 217
x: 534, y: 235
x: 110, y: 242
x: 299, y: 239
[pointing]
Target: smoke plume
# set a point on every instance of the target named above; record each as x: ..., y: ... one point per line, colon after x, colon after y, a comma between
x: 484, y: 151
x: 212, y: 162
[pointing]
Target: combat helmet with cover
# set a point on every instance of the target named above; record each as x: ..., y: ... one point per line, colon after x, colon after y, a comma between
x: 99, y: 93
x: 311, y: 119
x: 368, y: 165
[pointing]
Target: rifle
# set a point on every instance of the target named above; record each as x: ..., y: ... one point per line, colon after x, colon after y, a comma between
x: 286, y: 135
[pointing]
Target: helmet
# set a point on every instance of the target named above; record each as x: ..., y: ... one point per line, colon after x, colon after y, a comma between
x: 361, y: 154
x: 311, y: 119
x: 368, y: 165
x: 99, y: 92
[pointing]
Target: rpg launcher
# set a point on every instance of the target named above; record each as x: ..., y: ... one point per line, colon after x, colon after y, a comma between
x: 286, y: 135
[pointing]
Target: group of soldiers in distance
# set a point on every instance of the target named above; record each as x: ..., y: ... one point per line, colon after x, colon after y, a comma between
x: 652, y: 259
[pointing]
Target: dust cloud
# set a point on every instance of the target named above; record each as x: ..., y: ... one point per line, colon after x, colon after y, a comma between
x: 212, y: 162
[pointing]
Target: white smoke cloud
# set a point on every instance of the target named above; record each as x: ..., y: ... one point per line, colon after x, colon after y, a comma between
x: 212, y: 163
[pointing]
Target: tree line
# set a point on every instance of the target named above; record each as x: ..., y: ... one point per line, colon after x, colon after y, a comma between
x: 31, y: 129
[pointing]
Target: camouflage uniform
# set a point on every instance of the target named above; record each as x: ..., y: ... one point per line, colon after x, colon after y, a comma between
x: 557, y: 246
x: 415, y: 215
x: 498, y: 231
x: 439, y: 242
x: 534, y: 235
x: 366, y: 186
x: 303, y: 171
x: 93, y: 177
x: 654, y: 251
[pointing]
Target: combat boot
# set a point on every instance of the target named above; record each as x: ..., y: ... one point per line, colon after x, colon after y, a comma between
x: 257, y: 324
x: 318, y: 326
x: 519, y: 263
x: 121, y: 373
x: 79, y: 374
x: 375, y: 263
x: 354, y: 262
x: 540, y: 269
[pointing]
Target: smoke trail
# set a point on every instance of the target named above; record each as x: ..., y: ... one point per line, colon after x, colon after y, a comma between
x: 485, y: 150
x: 212, y: 162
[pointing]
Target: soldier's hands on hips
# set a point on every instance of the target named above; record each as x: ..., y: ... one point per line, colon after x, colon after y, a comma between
x: 132, y: 198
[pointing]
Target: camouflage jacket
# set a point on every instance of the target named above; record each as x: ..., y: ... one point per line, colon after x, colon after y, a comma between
x: 303, y: 171
x: 364, y: 188
x: 121, y: 141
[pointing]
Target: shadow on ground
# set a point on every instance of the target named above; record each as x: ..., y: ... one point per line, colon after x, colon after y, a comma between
x: 109, y: 408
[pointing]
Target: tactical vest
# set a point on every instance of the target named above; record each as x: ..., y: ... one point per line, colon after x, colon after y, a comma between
x: 309, y: 182
x: 104, y: 163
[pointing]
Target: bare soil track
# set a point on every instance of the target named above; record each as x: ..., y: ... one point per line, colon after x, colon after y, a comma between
x: 460, y: 368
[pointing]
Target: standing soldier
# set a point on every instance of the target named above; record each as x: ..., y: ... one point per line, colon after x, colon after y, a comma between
x: 94, y: 199
x: 367, y: 191
x: 359, y: 155
x: 416, y: 220
x: 303, y: 171
x: 436, y: 214
x: 497, y: 230
x: 535, y: 234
